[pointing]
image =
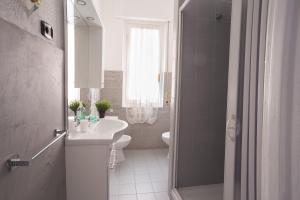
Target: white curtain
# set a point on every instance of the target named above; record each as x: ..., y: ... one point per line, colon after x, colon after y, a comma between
x: 143, y: 68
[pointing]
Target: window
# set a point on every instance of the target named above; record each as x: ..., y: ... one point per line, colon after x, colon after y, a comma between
x: 144, y: 63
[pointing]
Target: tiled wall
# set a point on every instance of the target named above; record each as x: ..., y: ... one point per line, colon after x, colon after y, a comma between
x: 205, y: 52
x: 32, y: 101
x: 144, y: 136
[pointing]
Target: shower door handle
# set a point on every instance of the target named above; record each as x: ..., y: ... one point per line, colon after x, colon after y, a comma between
x: 232, y: 128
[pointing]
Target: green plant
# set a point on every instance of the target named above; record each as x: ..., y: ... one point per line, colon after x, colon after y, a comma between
x: 74, y: 105
x: 103, y: 106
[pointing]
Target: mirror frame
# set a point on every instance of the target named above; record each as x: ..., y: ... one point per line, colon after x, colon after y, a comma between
x: 66, y: 100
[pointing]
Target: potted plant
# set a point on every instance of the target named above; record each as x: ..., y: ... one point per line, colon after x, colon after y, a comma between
x: 74, y: 106
x: 77, y: 105
x: 102, y: 107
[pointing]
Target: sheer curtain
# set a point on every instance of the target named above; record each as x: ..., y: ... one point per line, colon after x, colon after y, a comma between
x: 142, y: 94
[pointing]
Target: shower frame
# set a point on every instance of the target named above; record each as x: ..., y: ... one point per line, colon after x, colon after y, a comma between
x: 247, y: 53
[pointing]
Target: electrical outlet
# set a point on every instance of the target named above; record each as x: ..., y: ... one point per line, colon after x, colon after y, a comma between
x: 46, y: 30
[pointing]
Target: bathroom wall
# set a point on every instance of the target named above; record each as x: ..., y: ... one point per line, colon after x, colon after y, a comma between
x: 32, y: 101
x: 205, y: 51
x: 144, y: 136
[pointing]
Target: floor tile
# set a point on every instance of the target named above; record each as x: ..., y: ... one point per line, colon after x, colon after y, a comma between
x: 114, y: 190
x: 126, y: 179
x: 140, y: 175
x: 144, y: 188
x: 158, y: 177
x: 114, y: 197
x: 127, y: 197
x: 207, y: 192
x: 127, y: 189
x: 149, y: 196
x: 161, y: 196
x: 142, y: 178
x: 160, y: 186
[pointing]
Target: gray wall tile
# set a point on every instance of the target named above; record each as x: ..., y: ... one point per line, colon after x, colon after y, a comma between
x: 32, y: 106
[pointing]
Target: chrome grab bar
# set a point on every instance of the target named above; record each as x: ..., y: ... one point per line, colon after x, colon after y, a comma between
x: 15, y: 161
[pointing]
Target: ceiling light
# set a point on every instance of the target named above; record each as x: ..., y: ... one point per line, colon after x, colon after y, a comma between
x: 90, y: 18
x: 81, y: 2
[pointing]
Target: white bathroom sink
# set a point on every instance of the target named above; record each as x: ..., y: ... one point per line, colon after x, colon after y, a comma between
x: 104, y: 131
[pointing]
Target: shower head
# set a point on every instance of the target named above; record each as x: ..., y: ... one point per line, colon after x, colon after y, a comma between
x: 219, y: 16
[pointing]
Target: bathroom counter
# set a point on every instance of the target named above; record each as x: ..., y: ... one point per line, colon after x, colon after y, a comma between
x: 105, y: 131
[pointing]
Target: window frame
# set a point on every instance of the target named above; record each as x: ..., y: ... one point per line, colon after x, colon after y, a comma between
x: 163, y: 27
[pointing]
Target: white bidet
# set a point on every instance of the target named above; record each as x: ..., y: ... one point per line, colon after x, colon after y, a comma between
x: 117, y: 155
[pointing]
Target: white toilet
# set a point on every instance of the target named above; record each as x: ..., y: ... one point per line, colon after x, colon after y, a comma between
x: 166, y: 137
x: 117, y: 155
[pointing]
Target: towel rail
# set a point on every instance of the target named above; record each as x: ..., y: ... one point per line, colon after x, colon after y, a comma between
x: 15, y: 161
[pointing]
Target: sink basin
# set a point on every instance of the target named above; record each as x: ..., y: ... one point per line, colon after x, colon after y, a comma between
x: 105, y: 131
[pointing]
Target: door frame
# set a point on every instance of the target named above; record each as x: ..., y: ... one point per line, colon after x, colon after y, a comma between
x: 66, y: 63
x: 175, y: 101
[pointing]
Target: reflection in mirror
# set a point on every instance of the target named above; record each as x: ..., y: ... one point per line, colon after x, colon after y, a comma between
x: 84, y: 40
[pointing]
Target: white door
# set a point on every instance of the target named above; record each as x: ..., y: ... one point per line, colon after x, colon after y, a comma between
x: 246, y: 70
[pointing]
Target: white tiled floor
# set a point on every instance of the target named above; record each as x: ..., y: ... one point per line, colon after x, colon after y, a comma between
x: 142, y: 176
x: 203, y: 192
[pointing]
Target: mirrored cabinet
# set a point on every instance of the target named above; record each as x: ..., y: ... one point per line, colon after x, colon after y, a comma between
x: 88, y: 51
x: 84, y: 38
x: 84, y: 52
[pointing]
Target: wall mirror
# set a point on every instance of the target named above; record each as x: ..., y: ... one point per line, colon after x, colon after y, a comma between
x: 84, y: 53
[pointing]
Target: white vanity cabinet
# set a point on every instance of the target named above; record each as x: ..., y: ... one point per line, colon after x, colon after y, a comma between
x: 87, y: 171
x: 87, y: 160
